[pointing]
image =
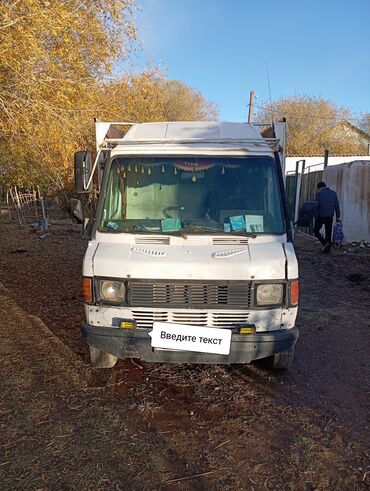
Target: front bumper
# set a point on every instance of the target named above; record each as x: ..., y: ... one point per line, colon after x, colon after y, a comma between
x: 137, y: 344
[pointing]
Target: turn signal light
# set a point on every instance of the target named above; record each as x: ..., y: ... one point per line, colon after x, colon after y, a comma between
x: 294, y: 292
x: 87, y: 289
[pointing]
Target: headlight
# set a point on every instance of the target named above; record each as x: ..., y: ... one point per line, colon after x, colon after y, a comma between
x: 269, y: 294
x: 113, y: 291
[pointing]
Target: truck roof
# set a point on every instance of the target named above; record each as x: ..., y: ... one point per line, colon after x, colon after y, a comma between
x: 192, y: 131
x: 184, y: 137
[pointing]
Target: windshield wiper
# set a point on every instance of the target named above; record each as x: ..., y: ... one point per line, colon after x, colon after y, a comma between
x: 252, y: 235
x: 201, y: 228
x: 185, y: 231
x: 178, y: 233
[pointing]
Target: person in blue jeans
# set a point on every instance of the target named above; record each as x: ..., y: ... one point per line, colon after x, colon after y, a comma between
x: 327, y: 204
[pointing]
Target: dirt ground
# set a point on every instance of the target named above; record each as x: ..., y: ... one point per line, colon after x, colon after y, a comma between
x: 66, y: 426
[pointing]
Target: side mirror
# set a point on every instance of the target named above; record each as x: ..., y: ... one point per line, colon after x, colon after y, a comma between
x: 76, y: 211
x: 83, y: 167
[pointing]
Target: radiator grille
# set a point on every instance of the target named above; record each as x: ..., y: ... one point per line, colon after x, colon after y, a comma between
x: 145, y: 318
x: 237, y: 294
x: 221, y: 319
x: 192, y: 318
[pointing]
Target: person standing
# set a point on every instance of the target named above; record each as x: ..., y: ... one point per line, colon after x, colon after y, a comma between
x: 327, y: 204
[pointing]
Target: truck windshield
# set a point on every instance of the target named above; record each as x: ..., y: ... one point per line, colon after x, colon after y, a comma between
x: 192, y: 195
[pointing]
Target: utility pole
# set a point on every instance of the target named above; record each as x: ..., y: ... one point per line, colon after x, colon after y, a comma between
x: 251, y: 106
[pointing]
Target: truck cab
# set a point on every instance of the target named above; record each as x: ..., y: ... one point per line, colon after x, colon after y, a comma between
x: 190, y: 257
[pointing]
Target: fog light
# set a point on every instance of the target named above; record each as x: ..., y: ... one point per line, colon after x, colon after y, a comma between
x: 247, y: 330
x: 127, y: 324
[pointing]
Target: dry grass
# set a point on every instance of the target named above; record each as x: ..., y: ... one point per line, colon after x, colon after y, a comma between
x: 66, y: 426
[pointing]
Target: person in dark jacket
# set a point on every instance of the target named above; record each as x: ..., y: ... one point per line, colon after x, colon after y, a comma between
x: 327, y: 204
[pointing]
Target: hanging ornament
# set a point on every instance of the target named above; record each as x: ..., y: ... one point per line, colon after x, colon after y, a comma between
x: 162, y: 168
x: 135, y: 167
x: 194, y: 178
x: 223, y: 170
x: 129, y: 167
x: 149, y: 171
x: 142, y: 169
x: 175, y: 171
x: 124, y: 174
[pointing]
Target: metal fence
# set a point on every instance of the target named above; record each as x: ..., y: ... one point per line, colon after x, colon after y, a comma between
x: 301, y: 186
x: 28, y: 206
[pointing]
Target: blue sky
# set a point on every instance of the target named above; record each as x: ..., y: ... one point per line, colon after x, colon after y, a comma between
x: 311, y: 47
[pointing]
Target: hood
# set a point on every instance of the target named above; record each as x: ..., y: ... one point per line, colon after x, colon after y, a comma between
x: 259, y: 261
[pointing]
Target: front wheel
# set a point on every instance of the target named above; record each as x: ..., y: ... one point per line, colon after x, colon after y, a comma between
x: 101, y: 359
x: 280, y: 361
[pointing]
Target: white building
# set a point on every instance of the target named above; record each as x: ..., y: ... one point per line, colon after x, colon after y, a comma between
x: 317, y: 163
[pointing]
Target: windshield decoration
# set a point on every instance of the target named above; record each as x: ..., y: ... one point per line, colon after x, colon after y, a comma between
x: 237, y: 223
x: 208, y: 195
x: 254, y: 223
x: 194, y: 164
x: 171, y: 225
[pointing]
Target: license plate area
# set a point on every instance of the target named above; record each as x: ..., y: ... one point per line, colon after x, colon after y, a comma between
x: 185, y: 337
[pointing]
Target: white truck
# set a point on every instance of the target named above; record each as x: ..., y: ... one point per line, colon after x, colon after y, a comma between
x: 190, y: 257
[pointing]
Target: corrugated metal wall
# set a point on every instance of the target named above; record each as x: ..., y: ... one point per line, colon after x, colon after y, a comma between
x: 351, y: 181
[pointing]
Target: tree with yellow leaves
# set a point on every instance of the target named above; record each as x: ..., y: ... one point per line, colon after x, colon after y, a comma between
x: 54, y: 63
x: 53, y: 55
x: 312, y: 124
x: 149, y: 96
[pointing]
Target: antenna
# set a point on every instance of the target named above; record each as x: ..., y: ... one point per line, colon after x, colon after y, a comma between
x: 268, y: 84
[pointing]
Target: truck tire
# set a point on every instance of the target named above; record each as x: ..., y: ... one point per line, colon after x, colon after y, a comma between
x: 280, y: 361
x: 101, y: 359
